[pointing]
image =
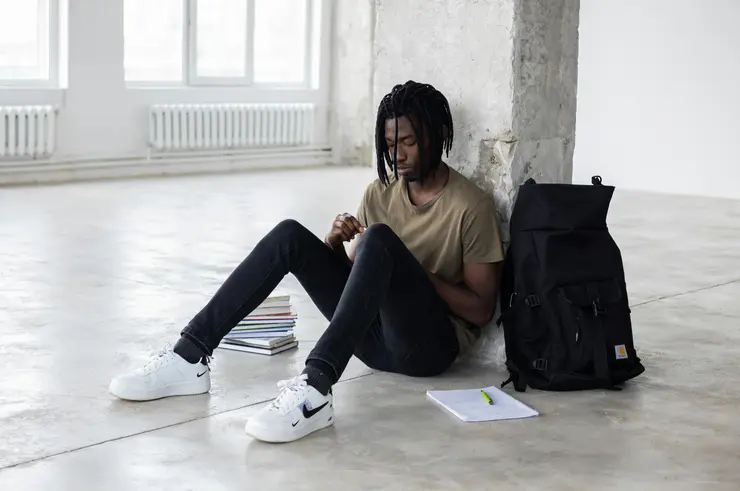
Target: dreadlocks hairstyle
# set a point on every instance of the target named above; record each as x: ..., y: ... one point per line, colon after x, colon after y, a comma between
x: 431, y: 119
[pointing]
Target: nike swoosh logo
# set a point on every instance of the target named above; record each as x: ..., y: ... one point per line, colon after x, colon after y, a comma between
x: 307, y: 414
x: 295, y: 423
x: 201, y: 374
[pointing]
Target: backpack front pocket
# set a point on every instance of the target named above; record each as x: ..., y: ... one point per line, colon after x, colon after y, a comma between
x: 588, y: 314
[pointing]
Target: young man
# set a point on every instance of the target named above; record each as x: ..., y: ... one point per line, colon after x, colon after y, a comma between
x: 409, y: 298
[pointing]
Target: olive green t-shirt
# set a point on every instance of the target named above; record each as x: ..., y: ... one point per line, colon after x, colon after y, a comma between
x: 457, y: 226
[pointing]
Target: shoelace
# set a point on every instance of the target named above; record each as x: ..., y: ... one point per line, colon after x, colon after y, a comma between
x: 292, y: 393
x: 158, y: 359
x: 164, y: 355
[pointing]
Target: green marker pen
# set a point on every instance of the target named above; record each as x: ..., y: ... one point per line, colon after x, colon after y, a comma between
x: 485, y: 396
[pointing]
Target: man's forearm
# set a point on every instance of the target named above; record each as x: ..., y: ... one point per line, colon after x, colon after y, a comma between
x: 463, y: 302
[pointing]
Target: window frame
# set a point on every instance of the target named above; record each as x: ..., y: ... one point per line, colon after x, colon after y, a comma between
x: 191, y: 79
x: 51, y: 10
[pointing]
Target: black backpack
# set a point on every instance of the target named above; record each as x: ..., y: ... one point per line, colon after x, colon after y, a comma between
x: 563, y: 297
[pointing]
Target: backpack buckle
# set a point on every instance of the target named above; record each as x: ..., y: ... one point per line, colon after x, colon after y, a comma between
x: 598, y: 309
x: 540, y: 364
x: 532, y: 301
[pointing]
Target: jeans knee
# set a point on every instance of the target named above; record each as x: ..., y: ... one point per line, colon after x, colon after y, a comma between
x: 288, y: 225
x: 377, y: 233
x: 288, y: 228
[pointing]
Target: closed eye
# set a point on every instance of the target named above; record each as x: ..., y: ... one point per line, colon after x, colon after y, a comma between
x: 407, y: 142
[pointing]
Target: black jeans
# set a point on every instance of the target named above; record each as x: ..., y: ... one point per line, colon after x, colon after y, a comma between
x: 383, y: 309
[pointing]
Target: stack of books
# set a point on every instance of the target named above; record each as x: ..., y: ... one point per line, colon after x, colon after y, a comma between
x: 266, y: 331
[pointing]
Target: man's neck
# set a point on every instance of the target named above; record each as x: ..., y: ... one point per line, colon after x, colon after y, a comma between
x: 422, y: 191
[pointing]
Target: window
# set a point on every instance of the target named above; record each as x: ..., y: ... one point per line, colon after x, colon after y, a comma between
x: 222, y: 42
x: 153, y: 37
x: 28, y: 39
x: 280, y: 41
x: 221, y: 39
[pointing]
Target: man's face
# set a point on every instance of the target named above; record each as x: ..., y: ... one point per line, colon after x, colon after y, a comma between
x: 408, y: 159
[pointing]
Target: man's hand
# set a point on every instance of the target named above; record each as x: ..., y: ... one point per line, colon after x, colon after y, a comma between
x: 344, y: 228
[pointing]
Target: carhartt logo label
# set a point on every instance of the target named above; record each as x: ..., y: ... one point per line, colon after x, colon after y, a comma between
x: 621, y: 351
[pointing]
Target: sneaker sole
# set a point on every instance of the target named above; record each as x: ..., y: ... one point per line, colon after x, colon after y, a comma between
x: 270, y: 436
x: 187, y: 389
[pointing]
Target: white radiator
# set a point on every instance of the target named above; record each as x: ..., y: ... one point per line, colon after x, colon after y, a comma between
x: 227, y: 126
x: 27, y: 131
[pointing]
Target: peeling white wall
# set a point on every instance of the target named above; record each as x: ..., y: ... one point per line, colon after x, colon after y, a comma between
x: 462, y: 48
x: 352, y: 115
x: 659, y: 95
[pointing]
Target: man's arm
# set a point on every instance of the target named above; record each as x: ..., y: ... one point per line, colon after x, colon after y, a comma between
x: 476, y: 301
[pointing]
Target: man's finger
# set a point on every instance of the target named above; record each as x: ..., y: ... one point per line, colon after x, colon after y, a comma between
x: 341, y: 233
x: 347, y: 231
x: 343, y: 224
x: 353, y: 226
x: 358, y: 226
x: 350, y: 225
x: 341, y: 219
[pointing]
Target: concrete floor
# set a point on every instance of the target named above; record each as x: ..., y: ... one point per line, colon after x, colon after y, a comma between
x: 94, y: 277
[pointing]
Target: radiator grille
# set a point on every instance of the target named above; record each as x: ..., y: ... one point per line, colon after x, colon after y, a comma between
x: 27, y: 131
x: 226, y: 126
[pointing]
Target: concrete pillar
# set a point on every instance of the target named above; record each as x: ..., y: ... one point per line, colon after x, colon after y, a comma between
x: 509, y: 70
x: 352, y: 115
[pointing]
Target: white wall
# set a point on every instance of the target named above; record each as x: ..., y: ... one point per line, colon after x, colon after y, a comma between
x: 659, y: 95
x: 100, y: 117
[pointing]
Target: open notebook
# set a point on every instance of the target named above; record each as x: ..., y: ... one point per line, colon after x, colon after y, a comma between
x: 469, y: 405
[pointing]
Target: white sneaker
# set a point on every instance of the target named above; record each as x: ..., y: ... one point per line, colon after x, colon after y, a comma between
x: 298, y: 411
x: 165, y: 374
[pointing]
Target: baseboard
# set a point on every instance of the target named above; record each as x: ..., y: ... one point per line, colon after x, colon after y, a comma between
x: 59, y: 172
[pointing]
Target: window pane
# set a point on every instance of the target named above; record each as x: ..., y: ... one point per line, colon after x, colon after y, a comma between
x: 280, y: 41
x: 221, y: 38
x: 24, y: 31
x: 153, y: 40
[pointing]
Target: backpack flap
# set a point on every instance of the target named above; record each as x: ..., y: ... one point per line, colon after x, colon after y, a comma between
x: 561, y: 206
